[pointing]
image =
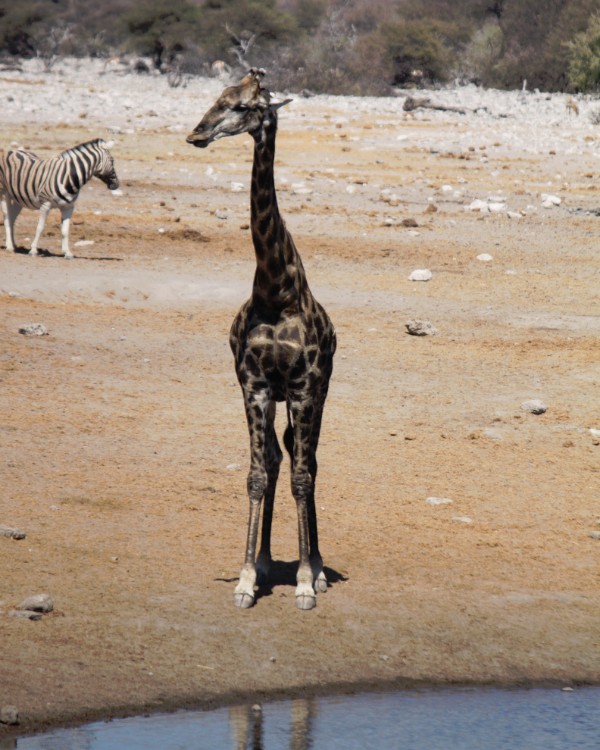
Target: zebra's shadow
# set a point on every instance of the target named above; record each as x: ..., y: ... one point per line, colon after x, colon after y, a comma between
x: 41, y: 253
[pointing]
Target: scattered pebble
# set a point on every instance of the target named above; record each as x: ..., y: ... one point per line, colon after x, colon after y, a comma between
x: 11, y: 533
x: 37, y: 603
x: 492, y: 434
x: 485, y: 257
x: 462, y: 519
x: 421, y: 274
x: 221, y: 214
x: 409, y: 223
x: 534, y: 406
x: 595, y: 534
x: 9, y: 715
x: 33, y: 329
x: 439, y: 500
x: 83, y: 243
x: 420, y: 328
x: 25, y: 614
x: 487, y: 206
x: 233, y: 467
x: 549, y: 201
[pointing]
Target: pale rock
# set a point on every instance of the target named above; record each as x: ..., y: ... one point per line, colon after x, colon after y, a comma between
x: 33, y: 329
x: 438, y: 501
x: 420, y: 328
x: 534, y: 406
x: 37, y: 603
x: 421, y: 274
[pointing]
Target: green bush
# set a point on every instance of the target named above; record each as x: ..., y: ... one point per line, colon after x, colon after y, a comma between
x: 412, y: 46
x: 584, y: 58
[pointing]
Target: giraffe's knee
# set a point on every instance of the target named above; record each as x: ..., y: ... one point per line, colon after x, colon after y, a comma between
x: 301, y: 486
x: 256, y: 484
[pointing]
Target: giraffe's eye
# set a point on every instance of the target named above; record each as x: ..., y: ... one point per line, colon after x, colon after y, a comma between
x: 241, y: 107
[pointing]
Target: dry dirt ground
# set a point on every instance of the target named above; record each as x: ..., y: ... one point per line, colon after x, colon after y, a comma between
x: 124, y: 445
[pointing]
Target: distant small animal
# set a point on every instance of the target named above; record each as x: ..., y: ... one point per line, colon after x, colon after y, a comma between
x: 26, y: 181
x: 572, y: 106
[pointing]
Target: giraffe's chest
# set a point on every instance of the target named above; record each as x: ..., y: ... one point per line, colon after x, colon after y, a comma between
x: 279, y: 354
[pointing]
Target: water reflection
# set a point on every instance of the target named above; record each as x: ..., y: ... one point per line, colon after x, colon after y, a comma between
x: 469, y: 719
x: 247, y: 725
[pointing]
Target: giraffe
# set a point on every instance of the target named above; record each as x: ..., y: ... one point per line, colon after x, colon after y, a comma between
x: 283, y: 344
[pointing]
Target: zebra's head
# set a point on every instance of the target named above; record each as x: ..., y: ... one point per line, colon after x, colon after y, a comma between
x: 239, y: 109
x: 105, y: 167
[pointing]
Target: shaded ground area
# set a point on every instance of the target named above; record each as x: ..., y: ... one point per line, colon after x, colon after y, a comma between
x: 124, y: 445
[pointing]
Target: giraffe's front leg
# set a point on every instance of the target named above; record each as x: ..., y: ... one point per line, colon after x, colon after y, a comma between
x: 257, y: 412
x: 244, y: 595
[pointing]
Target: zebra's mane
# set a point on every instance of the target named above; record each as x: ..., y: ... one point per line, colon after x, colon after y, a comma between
x: 93, y: 142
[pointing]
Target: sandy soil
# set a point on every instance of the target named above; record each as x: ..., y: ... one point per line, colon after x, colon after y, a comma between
x: 124, y: 445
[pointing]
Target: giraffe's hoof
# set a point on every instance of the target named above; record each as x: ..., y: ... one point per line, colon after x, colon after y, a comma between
x: 321, y: 583
x: 305, y: 601
x: 243, y: 601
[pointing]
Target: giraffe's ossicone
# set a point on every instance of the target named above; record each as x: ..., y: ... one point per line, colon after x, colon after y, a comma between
x: 283, y: 344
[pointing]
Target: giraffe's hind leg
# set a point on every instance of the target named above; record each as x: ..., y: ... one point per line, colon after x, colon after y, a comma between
x: 299, y: 442
x: 273, y: 458
x: 316, y: 561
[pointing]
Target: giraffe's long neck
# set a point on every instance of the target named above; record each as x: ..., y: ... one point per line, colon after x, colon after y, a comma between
x: 279, y: 281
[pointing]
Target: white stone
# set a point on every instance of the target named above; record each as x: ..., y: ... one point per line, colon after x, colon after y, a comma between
x: 534, y: 406
x: 9, y: 715
x: 551, y: 200
x: 33, y: 329
x: 485, y: 257
x: 421, y: 274
x: 420, y: 328
x: 478, y: 205
x: 462, y: 519
x: 37, y: 603
x: 497, y: 207
x: 438, y: 500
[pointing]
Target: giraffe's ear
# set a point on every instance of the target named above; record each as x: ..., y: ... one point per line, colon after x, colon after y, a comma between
x: 278, y: 105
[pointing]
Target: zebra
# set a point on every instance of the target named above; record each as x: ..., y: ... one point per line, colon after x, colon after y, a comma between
x: 26, y: 181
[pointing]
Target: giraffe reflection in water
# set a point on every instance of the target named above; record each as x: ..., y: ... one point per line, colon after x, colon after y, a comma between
x: 247, y: 725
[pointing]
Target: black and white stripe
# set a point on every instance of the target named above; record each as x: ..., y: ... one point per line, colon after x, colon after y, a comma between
x: 26, y: 181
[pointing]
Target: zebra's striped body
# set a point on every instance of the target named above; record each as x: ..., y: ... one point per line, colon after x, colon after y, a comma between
x: 26, y: 181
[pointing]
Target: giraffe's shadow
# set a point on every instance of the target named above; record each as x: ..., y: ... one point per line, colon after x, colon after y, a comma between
x: 283, y: 573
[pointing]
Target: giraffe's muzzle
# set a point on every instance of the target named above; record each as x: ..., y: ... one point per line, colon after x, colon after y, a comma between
x: 198, y: 140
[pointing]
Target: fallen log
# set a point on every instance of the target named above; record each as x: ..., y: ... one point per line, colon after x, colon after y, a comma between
x: 411, y: 103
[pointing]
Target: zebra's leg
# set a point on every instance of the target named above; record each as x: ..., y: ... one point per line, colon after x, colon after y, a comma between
x: 65, y: 223
x: 10, y: 211
x: 44, y: 210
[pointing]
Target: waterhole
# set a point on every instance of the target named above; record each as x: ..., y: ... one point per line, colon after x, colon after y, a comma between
x: 457, y: 719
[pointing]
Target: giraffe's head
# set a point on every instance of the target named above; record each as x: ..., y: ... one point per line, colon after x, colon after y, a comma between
x: 239, y: 109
